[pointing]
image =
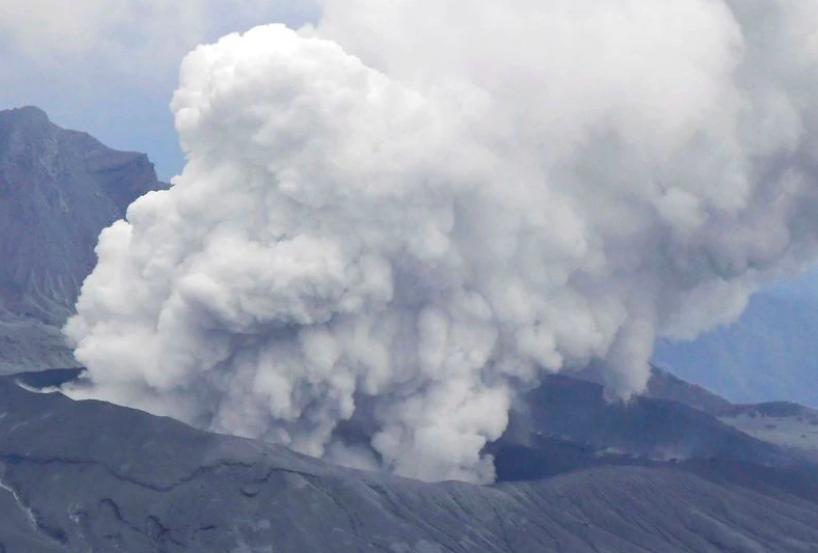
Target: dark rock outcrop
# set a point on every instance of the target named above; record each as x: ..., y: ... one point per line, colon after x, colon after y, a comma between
x: 58, y: 190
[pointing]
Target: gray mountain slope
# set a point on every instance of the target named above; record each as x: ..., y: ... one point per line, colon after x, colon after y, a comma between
x: 645, y: 427
x: 90, y: 476
x: 782, y: 423
x: 58, y: 189
x: 664, y: 385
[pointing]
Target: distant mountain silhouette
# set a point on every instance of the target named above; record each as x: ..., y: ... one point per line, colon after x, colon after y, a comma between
x: 771, y: 352
x: 58, y: 189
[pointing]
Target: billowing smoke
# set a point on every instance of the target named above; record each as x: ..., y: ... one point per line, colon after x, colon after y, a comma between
x: 422, y: 206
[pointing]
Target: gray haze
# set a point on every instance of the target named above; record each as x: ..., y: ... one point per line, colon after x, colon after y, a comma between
x: 770, y: 353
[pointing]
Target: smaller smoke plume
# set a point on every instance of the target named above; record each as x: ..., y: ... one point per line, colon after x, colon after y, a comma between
x: 421, y: 207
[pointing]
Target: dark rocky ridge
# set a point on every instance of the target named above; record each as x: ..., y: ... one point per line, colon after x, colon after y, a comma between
x: 567, y: 423
x: 90, y: 476
x: 58, y: 189
x: 785, y: 424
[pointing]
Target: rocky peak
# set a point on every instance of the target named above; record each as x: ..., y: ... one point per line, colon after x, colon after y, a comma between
x: 30, y: 117
x: 58, y: 189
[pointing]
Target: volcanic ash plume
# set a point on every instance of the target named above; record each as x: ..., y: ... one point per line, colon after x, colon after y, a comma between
x: 419, y: 207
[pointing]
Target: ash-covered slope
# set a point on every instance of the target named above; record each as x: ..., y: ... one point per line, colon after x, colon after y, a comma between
x: 568, y: 422
x: 664, y: 385
x: 58, y: 189
x: 785, y: 424
x: 90, y: 476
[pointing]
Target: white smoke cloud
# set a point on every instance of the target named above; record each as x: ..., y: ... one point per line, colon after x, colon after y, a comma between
x: 420, y: 207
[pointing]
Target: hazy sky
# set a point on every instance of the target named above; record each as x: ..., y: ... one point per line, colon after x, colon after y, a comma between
x: 109, y: 67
